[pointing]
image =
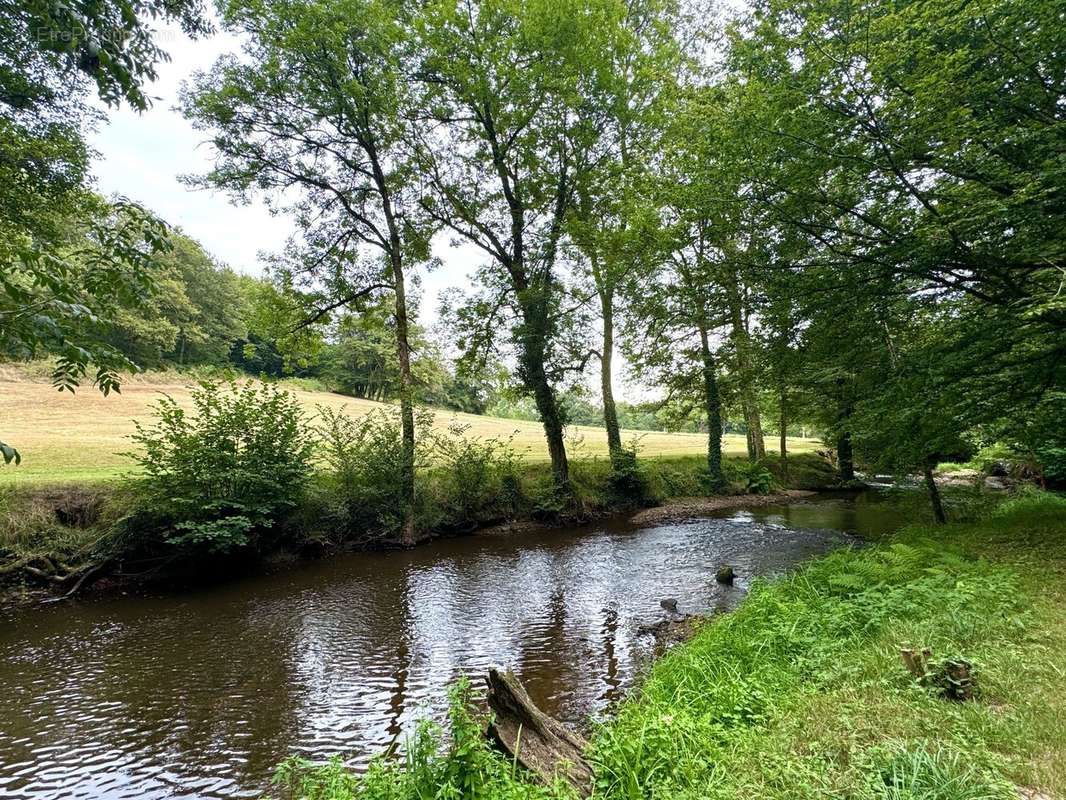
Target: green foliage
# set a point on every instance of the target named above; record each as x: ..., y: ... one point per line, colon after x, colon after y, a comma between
x: 196, y: 314
x: 365, y: 462
x: 60, y: 302
x: 1053, y: 461
x: 943, y: 774
x: 434, y: 766
x: 69, y: 261
x: 752, y: 476
x: 85, y: 36
x: 909, y: 193
x: 628, y: 485
x: 299, y: 779
x: 677, y: 478
x: 1030, y: 502
x: 474, y: 479
x: 217, y: 479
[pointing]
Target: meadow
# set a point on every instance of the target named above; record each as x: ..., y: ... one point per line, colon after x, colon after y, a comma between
x: 71, y: 438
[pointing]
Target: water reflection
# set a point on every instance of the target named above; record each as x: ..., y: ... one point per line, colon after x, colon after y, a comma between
x: 201, y: 695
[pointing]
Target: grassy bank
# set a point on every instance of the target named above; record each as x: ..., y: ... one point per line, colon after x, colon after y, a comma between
x: 51, y: 534
x: 67, y: 438
x: 802, y: 693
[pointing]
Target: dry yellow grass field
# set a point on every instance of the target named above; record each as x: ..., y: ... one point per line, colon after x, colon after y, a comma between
x: 81, y: 437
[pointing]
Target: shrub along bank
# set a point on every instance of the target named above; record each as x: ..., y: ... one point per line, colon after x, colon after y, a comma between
x: 802, y: 693
x: 248, y: 473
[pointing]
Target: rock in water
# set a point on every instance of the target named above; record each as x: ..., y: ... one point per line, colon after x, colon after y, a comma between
x: 669, y: 604
x: 539, y: 743
x: 725, y: 575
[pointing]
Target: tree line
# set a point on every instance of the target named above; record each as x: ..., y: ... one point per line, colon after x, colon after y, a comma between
x: 803, y: 213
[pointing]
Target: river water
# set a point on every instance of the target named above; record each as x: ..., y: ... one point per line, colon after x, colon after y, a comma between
x: 200, y: 695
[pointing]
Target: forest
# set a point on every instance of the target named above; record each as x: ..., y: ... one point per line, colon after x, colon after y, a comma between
x: 762, y: 223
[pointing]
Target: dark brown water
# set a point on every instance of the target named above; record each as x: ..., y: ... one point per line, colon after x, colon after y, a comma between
x: 201, y: 695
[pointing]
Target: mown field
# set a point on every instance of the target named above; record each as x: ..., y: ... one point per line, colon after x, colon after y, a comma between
x: 81, y: 437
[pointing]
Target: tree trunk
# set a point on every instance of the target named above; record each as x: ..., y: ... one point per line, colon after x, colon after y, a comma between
x: 403, y: 353
x: 784, y: 437
x: 610, y: 412
x: 845, y: 457
x: 748, y: 399
x: 541, y: 744
x: 845, y: 454
x: 534, y: 335
x: 757, y: 438
x: 533, y: 338
x: 407, y: 406
x: 714, y: 411
x: 934, y: 493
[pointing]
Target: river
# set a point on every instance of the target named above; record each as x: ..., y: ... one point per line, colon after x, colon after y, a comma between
x: 200, y: 695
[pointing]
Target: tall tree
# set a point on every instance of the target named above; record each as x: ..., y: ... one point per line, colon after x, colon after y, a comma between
x: 947, y: 193
x: 674, y: 315
x: 614, y: 216
x: 502, y: 86
x: 315, y: 109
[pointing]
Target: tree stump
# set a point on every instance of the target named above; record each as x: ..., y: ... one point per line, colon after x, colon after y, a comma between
x: 917, y: 663
x: 953, y: 678
x: 956, y: 680
x: 541, y: 744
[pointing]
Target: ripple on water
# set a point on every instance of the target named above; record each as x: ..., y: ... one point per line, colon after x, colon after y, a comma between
x: 200, y: 696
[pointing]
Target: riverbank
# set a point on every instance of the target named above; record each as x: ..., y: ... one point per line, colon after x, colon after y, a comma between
x: 802, y: 692
x: 55, y: 540
x: 670, y: 510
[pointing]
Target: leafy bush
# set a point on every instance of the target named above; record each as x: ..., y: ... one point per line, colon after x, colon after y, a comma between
x: 475, y: 478
x: 365, y: 460
x: 551, y: 503
x: 1053, y: 461
x: 751, y: 476
x: 628, y: 485
x: 219, y: 477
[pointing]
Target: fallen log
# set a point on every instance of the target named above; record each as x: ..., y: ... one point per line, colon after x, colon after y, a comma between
x: 541, y: 744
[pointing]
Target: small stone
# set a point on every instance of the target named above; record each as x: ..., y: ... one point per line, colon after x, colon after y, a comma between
x: 725, y: 575
x: 669, y: 604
